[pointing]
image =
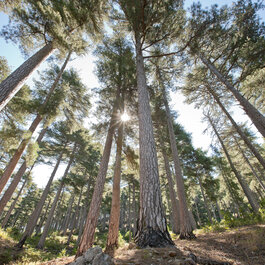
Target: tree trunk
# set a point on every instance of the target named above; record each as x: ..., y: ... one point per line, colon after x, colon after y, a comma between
x: 185, y: 223
x: 50, y: 216
x: 152, y: 228
x: 134, y: 211
x: 75, y: 215
x: 249, y: 164
x: 11, y: 188
x: 13, y: 205
x: 113, y: 234
x: 33, y: 219
x: 198, y: 214
x: 254, y: 204
x: 84, y: 214
x: 87, y: 238
x: 218, y: 209
x: 256, y: 117
x: 192, y: 220
x: 206, y: 205
x: 11, y: 85
x: 39, y: 226
x: 240, y: 132
x: 13, y: 162
x: 68, y: 214
x: 129, y: 213
x: 172, y: 193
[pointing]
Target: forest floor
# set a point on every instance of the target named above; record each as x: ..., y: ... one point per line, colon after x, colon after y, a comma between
x: 238, y: 246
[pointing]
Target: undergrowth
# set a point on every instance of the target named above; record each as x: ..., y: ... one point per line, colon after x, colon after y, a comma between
x: 230, y: 221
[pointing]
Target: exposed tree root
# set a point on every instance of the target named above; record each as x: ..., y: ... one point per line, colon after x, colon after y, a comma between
x: 187, y: 235
x: 153, y: 238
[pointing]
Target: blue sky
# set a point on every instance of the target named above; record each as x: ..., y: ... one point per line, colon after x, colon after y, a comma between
x: 188, y: 116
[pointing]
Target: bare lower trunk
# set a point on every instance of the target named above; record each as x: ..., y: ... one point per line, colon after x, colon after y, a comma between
x: 39, y: 226
x: 68, y: 214
x: 11, y: 85
x: 192, y: 220
x: 33, y: 219
x: 40, y: 245
x: 74, y: 217
x: 257, y: 118
x: 87, y: 238
x: 240, y: 132
x: 113, y: 234
x: 134, y: 211
x: 206, y: 204
x: 13, y: 205
x: 152, y: 228
x: 252, y: 201
x: 198, y: 214
x: 172, y: 193
x: 185, y: 223
x: 129, y: 213
x: 11, y: 188
x: 218, y: 209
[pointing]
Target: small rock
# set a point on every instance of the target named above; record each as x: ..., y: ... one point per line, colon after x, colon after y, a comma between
x: 172, y: 254
x: 91, y: 253
x: 78, y: 261
x: 193, y: 257
x: 102, y: 259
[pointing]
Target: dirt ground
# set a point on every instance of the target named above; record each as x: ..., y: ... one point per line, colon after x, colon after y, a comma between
x: 240, y: 246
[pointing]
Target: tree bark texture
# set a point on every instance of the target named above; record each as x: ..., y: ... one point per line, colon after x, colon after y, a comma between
x: 50, y: 216
x: 257, y: 118
x: 185, y: 222
x: 68, y: 214
x: 12, y: 84
x: 113, y: 234
x: 152, y: 228
x: 240, y: 132
x: 252, y: 201
x: 11, y: 188
x: 33, y: 219
x: 87, y: 238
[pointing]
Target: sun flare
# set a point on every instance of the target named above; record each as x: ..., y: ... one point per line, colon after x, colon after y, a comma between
x: 125, y: 117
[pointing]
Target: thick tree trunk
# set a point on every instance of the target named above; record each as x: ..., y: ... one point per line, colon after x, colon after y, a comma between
x: 87, y: 238
x: 11, y: 188
x: 11, y: 85
x: 193, y: 222
x: 206, y: 204
x: 50, y: 216
x: 185, y: 223
x: 152, y: 227
x: 13, y: 162
x: 172, y: 193
x: 252, y: 201
x: 257, y: 118
x: 113, y: 234
x: 33, y: 219
x: 240, y: 132
x: 13, y: 205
